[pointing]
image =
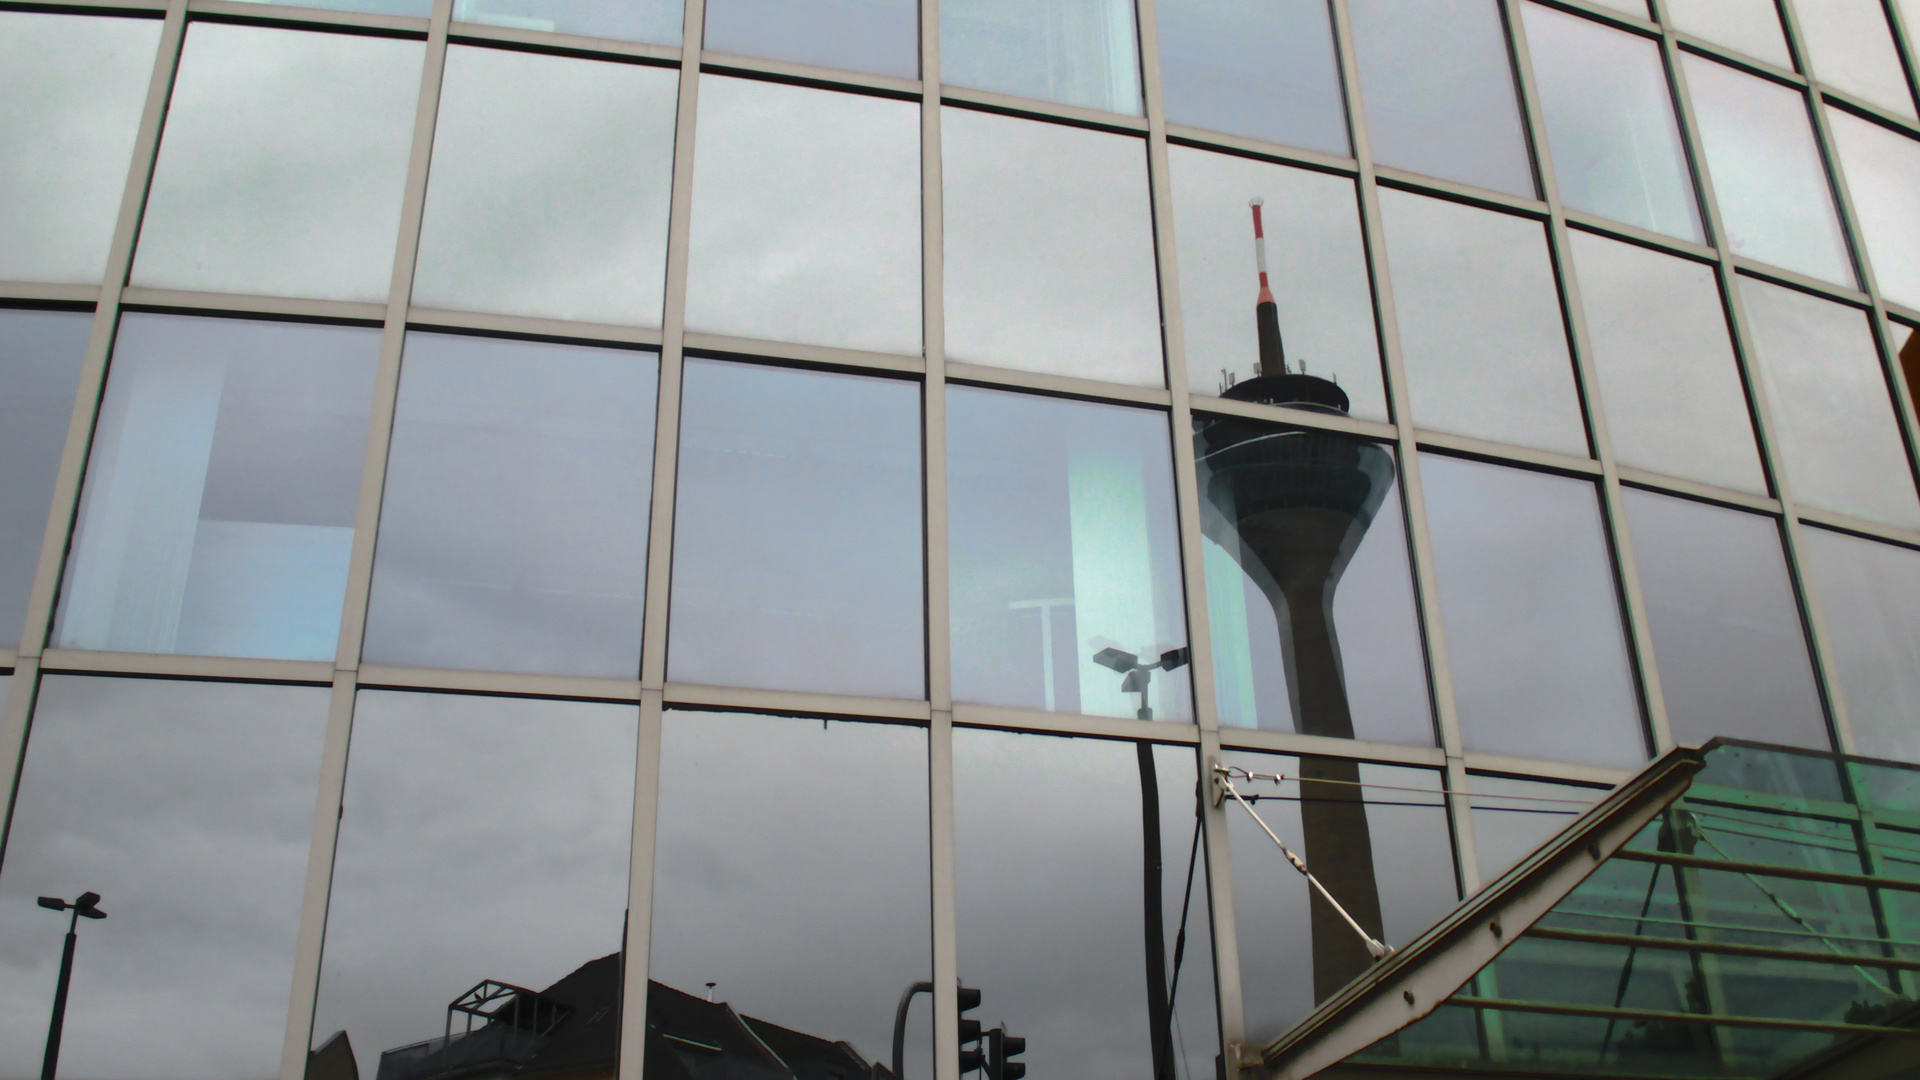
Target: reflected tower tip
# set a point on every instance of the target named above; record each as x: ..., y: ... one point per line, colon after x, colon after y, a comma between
x: 1266, y: 313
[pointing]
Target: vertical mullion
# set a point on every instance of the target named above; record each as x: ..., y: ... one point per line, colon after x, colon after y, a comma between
x: 1626, y: 574
x: 1412, y: 491
x: 638, y: 939
x: 943, y: 908
x: 673, y: 325
x: 319, y: 881
x: 653, y: 645
x: 1812, y: 620
x: 106, y: 314
x: 309, y: 944
x: 1909, y: 63
x: 393, y: 338
x: 1226, y: 947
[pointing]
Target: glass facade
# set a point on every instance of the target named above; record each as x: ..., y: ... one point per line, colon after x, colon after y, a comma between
x: 642, y: 538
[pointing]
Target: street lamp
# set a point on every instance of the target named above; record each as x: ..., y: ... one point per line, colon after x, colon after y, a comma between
x: 84, y: 906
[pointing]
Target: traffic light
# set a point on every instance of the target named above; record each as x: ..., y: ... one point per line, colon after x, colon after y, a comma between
x: 1002, y: 1048
x: 973, y: 1060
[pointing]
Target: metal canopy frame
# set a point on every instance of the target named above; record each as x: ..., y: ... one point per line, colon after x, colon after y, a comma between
x: 650, y: 690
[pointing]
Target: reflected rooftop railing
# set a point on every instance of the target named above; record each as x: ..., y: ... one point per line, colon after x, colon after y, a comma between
x: 1760, y: 918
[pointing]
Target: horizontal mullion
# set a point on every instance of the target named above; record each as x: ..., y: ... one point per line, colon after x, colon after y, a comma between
x: 1305, y: 418
x: 573, y: 44
x: 1058, y: 723
x: 1873, y: 530
x: 1723, y: 948
x: 1634, y: 234
x: 820, y: 355
x: 1287, y: 742
x: 525, y: 326
x: 1751, y: 64
x: 1601, y: 1012
x: 1906, y: 125
x: 1247, y: 146
x: 1037, y: 109
x: 319, y: 18
x: 1505, y: 453
x: 809, y: 74
x: 1422, y: 184
x: 1845, y: 294
x: 83, y: 661
x: 180, y: 300
x: 1571, y: 772
x: 49, y: 292
x: 1693, y: 489
x: 1065, y: 385
x: 691, y: 696
x: 498, y: 682
x: 1771, y: 870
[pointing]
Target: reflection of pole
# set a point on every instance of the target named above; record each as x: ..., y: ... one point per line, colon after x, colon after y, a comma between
x: 1046, y: 636
x: 900, y: 1026
x: 1159, y: 1011
x: 86, y: 904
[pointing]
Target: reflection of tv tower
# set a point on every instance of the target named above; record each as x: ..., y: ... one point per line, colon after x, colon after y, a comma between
x: 1291, y: 507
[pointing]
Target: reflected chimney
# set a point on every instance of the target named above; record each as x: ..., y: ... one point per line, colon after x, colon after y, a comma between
x: 1291, y: 507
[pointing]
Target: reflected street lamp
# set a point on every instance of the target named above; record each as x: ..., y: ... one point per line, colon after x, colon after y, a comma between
x: 84, y: 906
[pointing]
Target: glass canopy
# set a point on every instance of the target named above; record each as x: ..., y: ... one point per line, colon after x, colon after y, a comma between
x: 1736, y: 911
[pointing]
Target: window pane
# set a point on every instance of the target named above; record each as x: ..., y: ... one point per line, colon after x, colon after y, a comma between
x: 481, y: 838
x: 549, y: 189
x: 40, y: 356
x: 1480, y: 325
x: 1839, y: 444
x: 1309, y: 595
x: 63, y: 161
x: 1065, y: 900
x: 1870, y: 593
x: 806, y: 217
x: 513, y: 530
x: 881, y: 36
x: 1049, y: 234
x: 1261, y: 69
x: 1533, y: 621
x: 1077, y: 52
x: 1883, y: 175
x: 1440, y: 92
x: 1657, y: 336
x: 657, y: 21
x: 1726, y: 630
x: 1850, y: 47
x: 1512, y: 818
x: 283, y: 164
x: 1774, y: 199
x: 188, y: 807
x: 1382, y: 850
x: 218, y: 512
x: 1616, y: 148
x: 1063, y: 546
x: 797, y: 543
x: 1319, y: 274
x: 1749, y: 26
x: 797, y: 903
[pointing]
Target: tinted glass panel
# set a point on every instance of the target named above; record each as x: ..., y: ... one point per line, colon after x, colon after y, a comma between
x: 1850, y: 47
x: 1657, y: 337
x: 1049, y: 249
x: 480, y: 839
x: 1774, y: 199
x: 188, y: 807
x: 1073, y: 912
x: 1533, y: 621
x: 1750, y: 26
x: 1726, y: 630
x: 797, y: 905
x: 806, y: 217
x: 282, y: 164
x: 1870, y: 593
x: 218, y: 512
x: 657, y: 21
x: 549, y: 188
x: 1375, y: 835
x: 1308, y: 592
x: 1839, y: 443
x: 1440, y: 92
x: 1480, y: 324
x: 63, y: 162
x: 881, y: 36
x: 1616, y: 148
x: 1512, y: 818
x: 513, y: 529
x: 1063, y: 546
x: 1078, y: 52
x: 40, y: 355
x: 1883, y: 176
x: 1317, y: 267
x: 796, y: 555
x: 1265, y: 70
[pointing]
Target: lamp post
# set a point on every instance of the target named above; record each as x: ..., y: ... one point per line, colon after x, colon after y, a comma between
x: 84, y: 906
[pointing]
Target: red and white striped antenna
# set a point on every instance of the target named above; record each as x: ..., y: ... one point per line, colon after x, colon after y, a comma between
x: 1266, y: 313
